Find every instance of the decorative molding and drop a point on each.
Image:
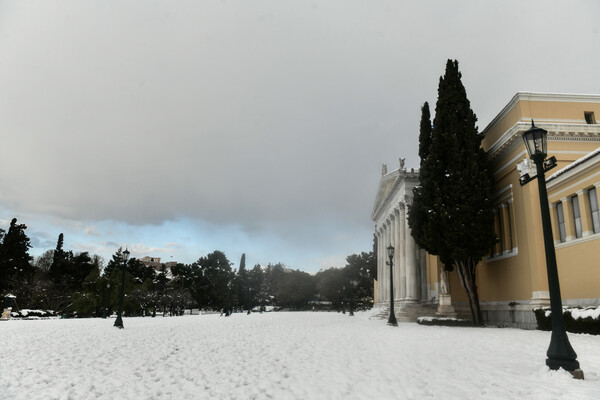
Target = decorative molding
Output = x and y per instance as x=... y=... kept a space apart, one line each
x=510 y=163
x=511 y=253
x=399 y=176
x=556 y=181
x=532 y=96
x=556 y=132
x=575 y=240
x=504 y=189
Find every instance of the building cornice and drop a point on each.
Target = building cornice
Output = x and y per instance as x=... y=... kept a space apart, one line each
x=579 y=166
x=399 y=176
x=533 y=96
x=556 y=132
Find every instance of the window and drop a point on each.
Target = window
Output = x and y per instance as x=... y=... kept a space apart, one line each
x=577 y=216
x=501 y=226
x=561 y=222
x=589 y=117
x=509 y=227
x=594 y=209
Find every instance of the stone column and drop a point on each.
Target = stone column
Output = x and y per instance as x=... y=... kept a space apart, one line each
x=381 y=264
x=402 y=253
x=393 y=243
x=388 y=227
x=411 y=266
x=423 y=265
x=379 y=269
x=384 y=276
x=569 y=221
x=397 y=252
x=586 y=213
x=554 y=223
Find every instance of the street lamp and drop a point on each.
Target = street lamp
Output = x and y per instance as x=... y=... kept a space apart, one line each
x=119 y=320
x=560 y=353
x=392 y=320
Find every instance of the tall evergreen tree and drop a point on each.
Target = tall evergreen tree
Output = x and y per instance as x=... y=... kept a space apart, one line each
x=452 y=215
x=15 y=262
x=59 y=253
x=425 y=132
x=256 y=287
x=243 y=261
x=420 y=206
x=240 y=286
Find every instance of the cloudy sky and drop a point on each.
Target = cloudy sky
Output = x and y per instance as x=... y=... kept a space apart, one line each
x=178 y=128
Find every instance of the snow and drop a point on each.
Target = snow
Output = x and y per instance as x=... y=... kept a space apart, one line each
x=573 y=164
x=577 y=313
x=586 y=312
x=281 y=355
x=440 y=319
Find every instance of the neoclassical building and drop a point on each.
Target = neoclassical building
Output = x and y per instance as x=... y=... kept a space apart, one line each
x=512 y=278
x=412 y=294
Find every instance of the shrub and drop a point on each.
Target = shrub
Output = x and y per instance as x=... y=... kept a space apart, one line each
x=433 y=321
x=576 y=319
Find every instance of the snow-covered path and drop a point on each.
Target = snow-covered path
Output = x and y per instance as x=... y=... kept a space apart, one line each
x=283 y=356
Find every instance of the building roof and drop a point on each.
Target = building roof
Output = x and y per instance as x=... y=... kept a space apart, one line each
x=538 y=96
x=387 y=188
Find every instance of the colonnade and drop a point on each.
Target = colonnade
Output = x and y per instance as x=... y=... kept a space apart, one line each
x=394 y=230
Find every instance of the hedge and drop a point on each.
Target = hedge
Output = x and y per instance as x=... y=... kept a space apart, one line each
x=576 y=319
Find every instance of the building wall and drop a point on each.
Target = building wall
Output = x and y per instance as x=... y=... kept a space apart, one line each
x=513 y=279
x=411 y=273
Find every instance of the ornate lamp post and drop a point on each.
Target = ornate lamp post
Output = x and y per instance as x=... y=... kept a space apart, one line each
x=119 y=320
x=560 y=353
x=392 y=319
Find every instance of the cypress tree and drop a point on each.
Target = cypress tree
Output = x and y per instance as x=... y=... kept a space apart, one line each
x=425 y=132
x=418 y=210
x=452 y=214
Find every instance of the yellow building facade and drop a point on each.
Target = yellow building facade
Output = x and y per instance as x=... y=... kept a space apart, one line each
x=512 y=278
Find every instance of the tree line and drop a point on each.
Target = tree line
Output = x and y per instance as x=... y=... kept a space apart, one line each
x=79 y=284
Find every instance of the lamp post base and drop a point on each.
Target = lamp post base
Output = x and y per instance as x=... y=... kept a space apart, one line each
x=577 y=374
x=119 y=323
x=567 y=365
x=392 y=320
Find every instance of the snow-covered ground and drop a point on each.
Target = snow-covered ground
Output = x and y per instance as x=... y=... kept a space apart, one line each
x=283 y=356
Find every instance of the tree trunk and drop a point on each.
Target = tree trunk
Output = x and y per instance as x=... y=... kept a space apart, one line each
x=467 y=273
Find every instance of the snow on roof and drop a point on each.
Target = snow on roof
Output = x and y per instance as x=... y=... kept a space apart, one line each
x=574 y=164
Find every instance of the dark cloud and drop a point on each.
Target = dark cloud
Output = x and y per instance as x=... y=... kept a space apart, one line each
x=272 y=116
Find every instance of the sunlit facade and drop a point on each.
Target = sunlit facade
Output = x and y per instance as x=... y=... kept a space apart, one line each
x=512 y=278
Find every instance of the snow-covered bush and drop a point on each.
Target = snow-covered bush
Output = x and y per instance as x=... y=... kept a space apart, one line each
x=576 y=319
x=32 y=314
x=438 y=321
